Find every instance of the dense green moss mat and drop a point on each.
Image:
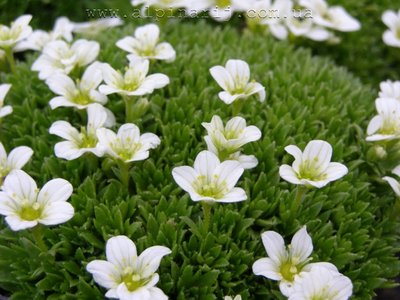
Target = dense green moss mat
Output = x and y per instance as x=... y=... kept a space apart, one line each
x=307 y=98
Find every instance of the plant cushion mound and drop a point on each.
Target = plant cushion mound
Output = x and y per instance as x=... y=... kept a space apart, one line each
x=307 y=98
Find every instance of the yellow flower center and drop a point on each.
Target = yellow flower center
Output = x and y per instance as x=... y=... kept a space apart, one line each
x=211 y=188
x=223 y=3
x=82 y=98
x=288 y=270
x=133 y=281
x=89 y=140
x=127 y=149
x=30 y=212
x=311 y=170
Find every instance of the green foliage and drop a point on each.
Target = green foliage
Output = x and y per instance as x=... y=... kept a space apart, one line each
x=307 y=98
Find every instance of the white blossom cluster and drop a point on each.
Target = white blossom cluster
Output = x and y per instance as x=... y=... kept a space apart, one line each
x=312 y=19
x=71 y=71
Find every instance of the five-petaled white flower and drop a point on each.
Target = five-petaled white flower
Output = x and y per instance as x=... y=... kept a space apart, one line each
x=59 y=56
x=322 y=283
x=234 y=79
x=226 y=141
x=16 y=160
x=300 y=24
x=126 y=275
x=394 y=184
x=4 y=110
x=78 y=143
x=25 y=206
x=390 y=89
x=145 y=44
x=210 y=180
x=335 y=17
x=134 y=82
x=39 y=38
x=79 y=94
x=127 y=145
x=386 y=125
x=18 y=31
x=391 y=19
x=95 y=27
x=313 y=167
x=285 y=264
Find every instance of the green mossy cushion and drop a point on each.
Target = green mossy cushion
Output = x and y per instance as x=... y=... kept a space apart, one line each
x=307 y=98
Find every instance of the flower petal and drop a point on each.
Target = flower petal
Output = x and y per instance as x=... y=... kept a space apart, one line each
x=268 y=268
x=301 y=246
x=16 y=223
x=121 y=252
x=20 y=186
x=222 y=77
x=55 y=190
x=205 y=164
x=287 y=173
x=104 y=273
x=185 y=177
x=275 y=246
x=229 y=173
x=335 y=171
x=235 y=195
x=149 y=260
x=56 y=213
x=18 y=157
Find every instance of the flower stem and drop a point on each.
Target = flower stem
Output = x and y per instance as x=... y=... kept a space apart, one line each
x=124 y=173
x=10 y=58
x=300 y=194
x=37 y=233
x=129 y=109
x=206 y=215
x=237 y=106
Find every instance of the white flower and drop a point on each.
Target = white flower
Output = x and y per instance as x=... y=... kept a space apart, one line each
x=4 y=110
x=284 y=264
x=313 y=167
x=59 y=56
x=78 y=143
x=16 y=160
x=134 y=82
x=394 y=184
x=391 y=37
x=39 y=38
x=79 y=94
x=335 y=17
x=19 y=30
x=226 y=141
x=127 y=145
x=238 y=297
x=386 y=125
x=276 y=16
x=390 y=89
x=234 y=79
x=94 y=27
x=301 y=24
x=25 y=206
x=322 y=283
x=210 y=180
x=126 y=275
x=145 y=44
